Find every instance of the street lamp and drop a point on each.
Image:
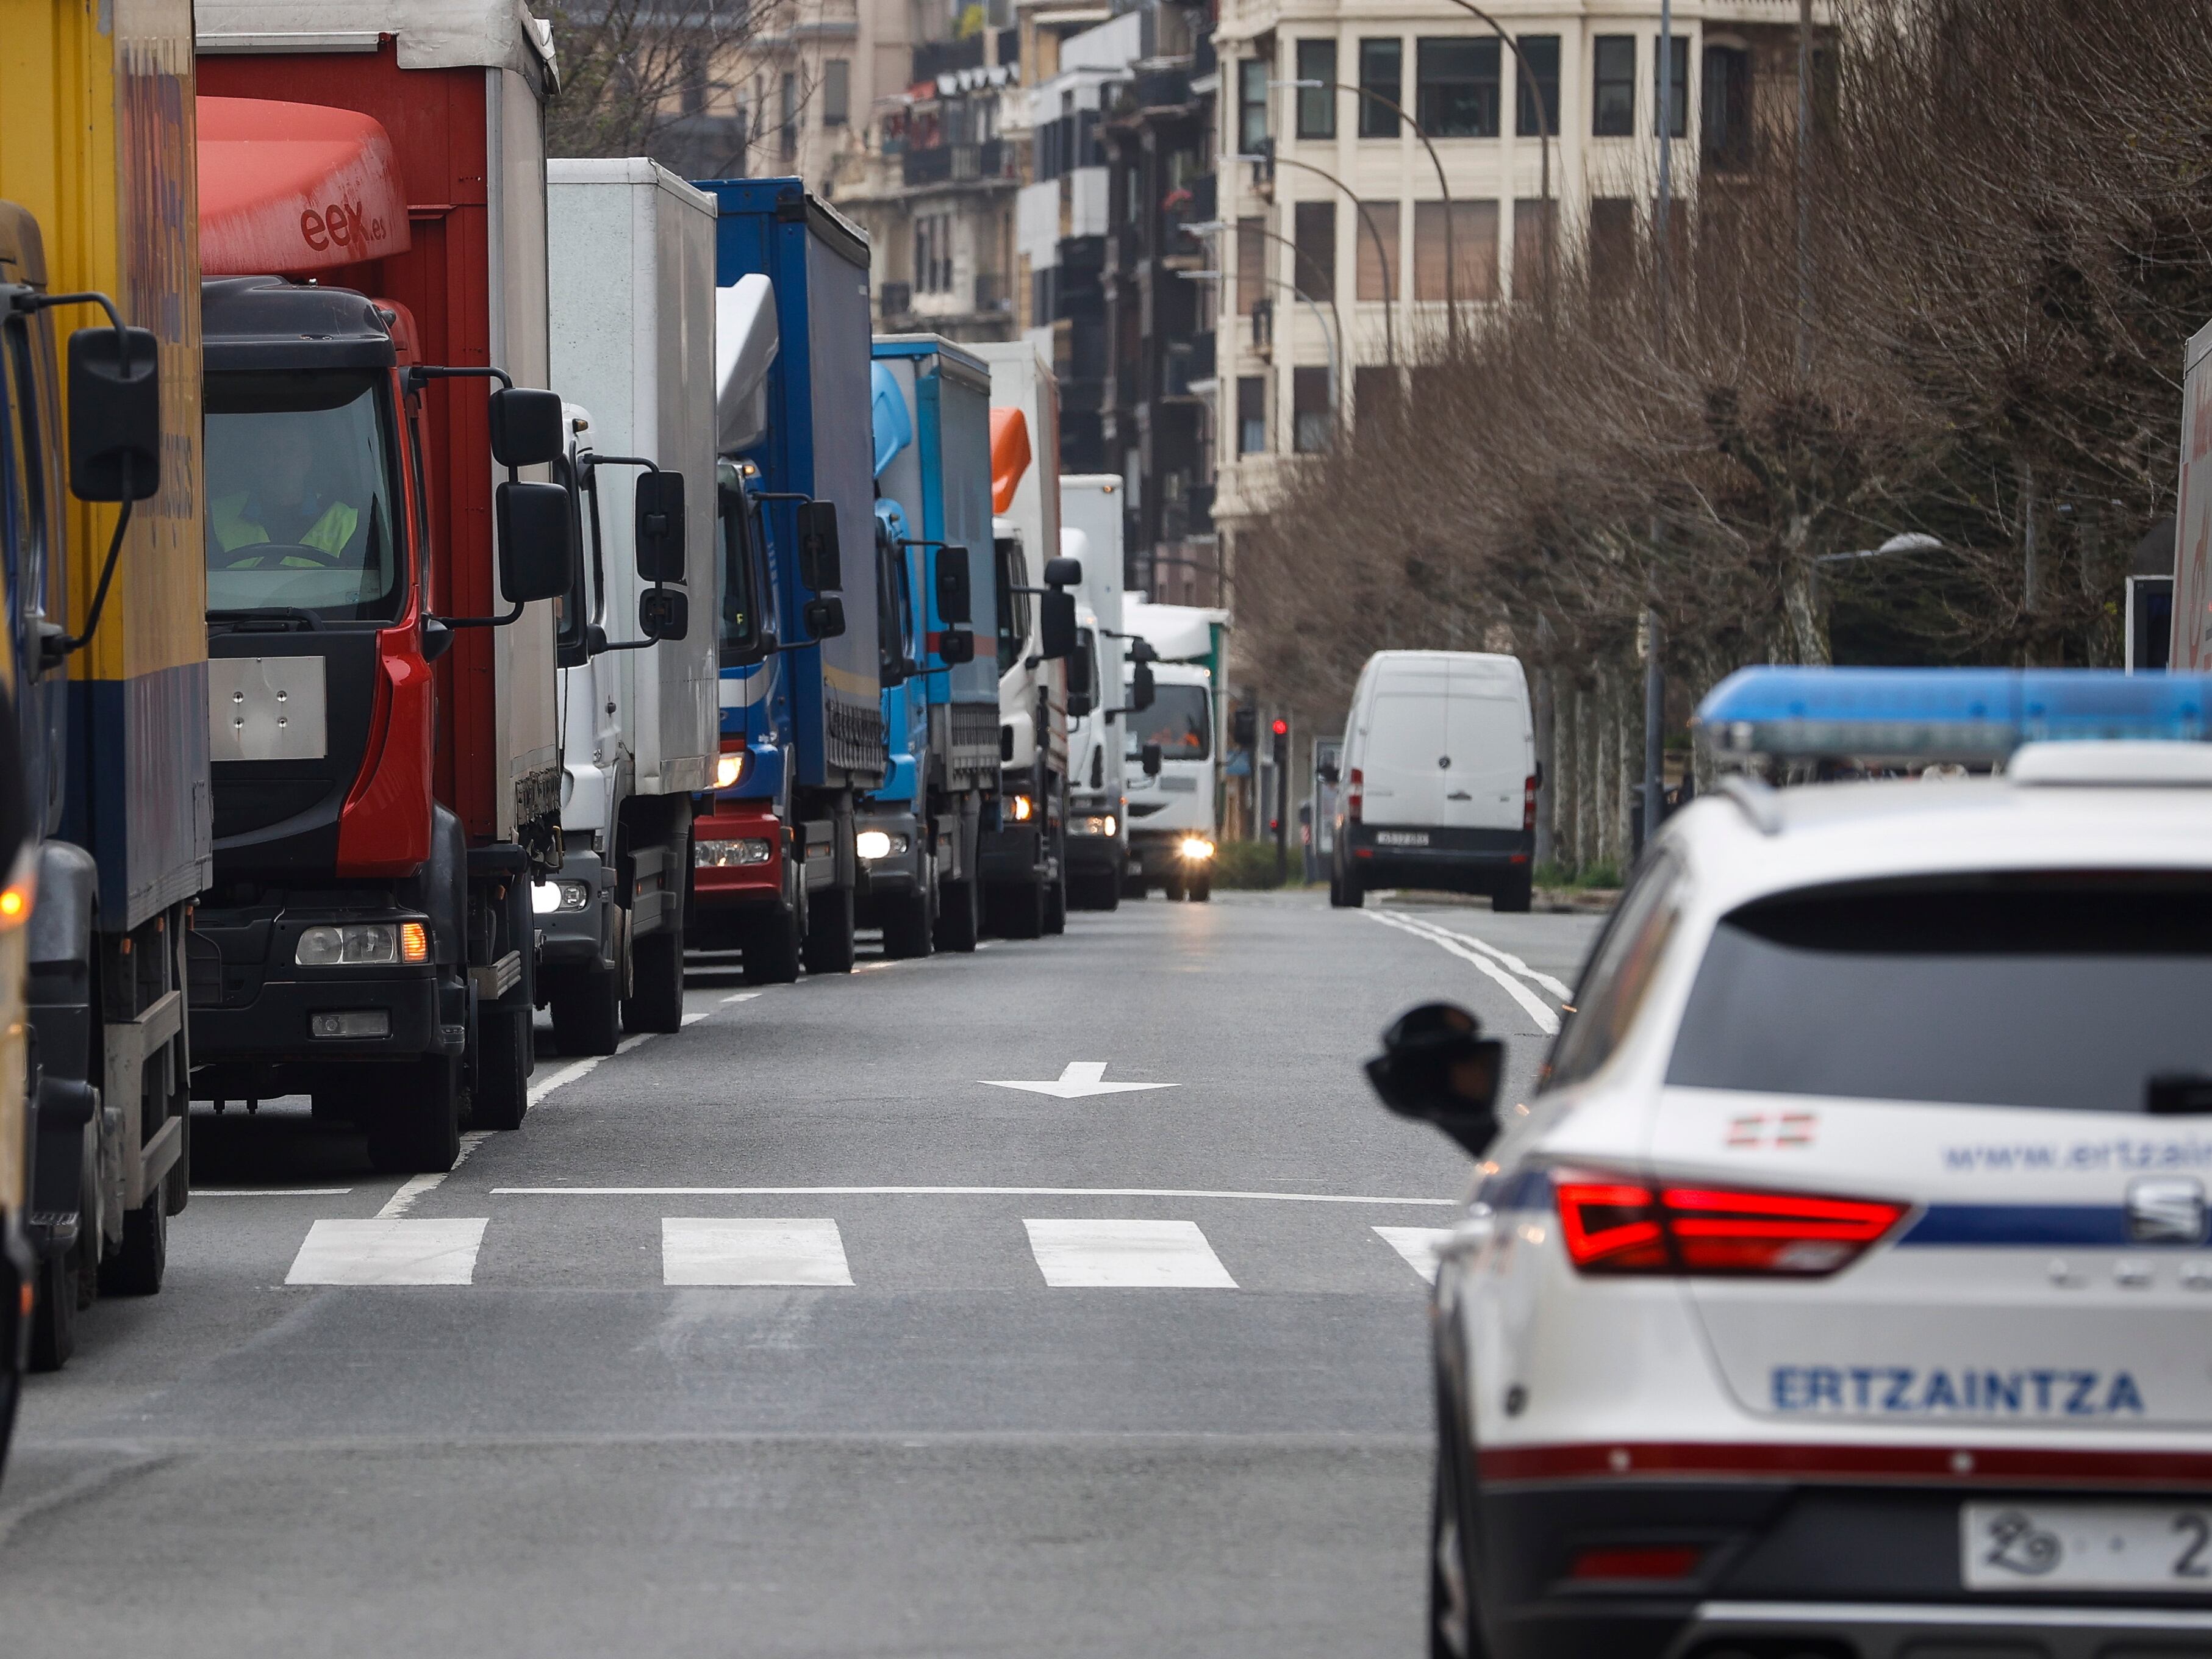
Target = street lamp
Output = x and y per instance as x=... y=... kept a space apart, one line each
x=1389 y=336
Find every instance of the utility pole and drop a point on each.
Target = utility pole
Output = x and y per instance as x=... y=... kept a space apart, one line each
x=1655 y=674
x=1282 y=734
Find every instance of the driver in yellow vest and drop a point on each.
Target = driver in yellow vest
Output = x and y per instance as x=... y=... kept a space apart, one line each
x=285 y=511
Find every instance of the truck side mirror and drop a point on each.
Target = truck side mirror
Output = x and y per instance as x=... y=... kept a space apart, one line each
x=1142 y=689
x=527 y=428
x=536 y=552
x=1437 y=1067
x=825 y=618
x=1142 y=651
x=1056 y=624
x=820 y=567
x=1063 y=572
x=1152 y=760
x=1082 y=675
x=956 y=646
x=663 y=613
x=1327 y=772
x=660 y=529
x=114 y=414
x=953 y=603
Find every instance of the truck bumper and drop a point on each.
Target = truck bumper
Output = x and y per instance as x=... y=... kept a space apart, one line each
x=1158 y=855
x=739 y=868
x=1015 y=854
x=572 y=935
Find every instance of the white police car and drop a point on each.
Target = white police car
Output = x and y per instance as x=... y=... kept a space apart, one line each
x=1845 y=1291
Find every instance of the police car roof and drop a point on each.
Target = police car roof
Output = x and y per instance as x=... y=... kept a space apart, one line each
x=267 y=323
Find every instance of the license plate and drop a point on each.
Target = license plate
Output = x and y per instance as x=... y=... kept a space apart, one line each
x=1402 y=838
x=2120 y=1547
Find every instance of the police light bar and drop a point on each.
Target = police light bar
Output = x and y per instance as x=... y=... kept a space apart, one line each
x=1920 y=716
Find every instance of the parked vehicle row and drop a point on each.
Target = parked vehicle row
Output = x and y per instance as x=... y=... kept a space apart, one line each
x=423 y=625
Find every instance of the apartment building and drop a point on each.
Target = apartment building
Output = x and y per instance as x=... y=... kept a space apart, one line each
x=784 y=96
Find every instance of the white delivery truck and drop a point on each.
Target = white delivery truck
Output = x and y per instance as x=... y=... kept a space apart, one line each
x=1174 y=746
x=1091 y=509
x=1438 y=779
x=633 y=344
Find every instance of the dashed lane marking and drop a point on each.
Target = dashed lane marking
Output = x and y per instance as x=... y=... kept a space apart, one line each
x=1536 y=1008
x=1418 y=1245
x=959 y=1192
x=752 y=1250
x=390 y=1251
x=1126 y=1255
x=271 y=1192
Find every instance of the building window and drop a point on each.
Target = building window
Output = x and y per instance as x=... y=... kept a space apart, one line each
x=1679 y=53
x=1532 y=239
x=1311 y=419
x=1251 y=415
x=932 y=253
x=1251 y=266
x=1318 y=105
x=1539 y=60
x=1725 y=129
x=1379 y=265
x=1613 y=241
x=1473 y=239
x=1252 y=106
x=1612 y=102
x=836 y=92
x=1382 y=71
x=1457 y=95
x=787 y=137
x=1314 y=227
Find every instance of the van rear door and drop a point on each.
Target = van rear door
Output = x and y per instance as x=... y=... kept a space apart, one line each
x=1489 y=747
x=1407 y=751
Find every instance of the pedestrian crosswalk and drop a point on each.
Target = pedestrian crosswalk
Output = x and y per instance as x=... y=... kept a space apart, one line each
x=1072 y=1253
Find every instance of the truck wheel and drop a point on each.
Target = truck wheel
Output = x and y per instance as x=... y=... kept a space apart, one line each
x=771 y=949
x=1171 y=889
x=138 y=1267
x=417 y=1129
x=1514 y=898
x=906 y=927
x=828 y=947
x=656 y=1002
x=1107 y=894
x=588 y=1010
x=501 y=1091
x=54 y=1305
x=958 y=920
x=1055 y=907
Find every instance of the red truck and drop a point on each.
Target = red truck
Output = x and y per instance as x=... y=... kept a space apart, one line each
x=381 y=580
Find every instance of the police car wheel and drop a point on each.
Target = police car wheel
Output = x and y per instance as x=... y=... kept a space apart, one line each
x=1453 y=1633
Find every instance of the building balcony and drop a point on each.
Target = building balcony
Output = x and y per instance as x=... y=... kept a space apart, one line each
x=935 y=57
x=957 y=164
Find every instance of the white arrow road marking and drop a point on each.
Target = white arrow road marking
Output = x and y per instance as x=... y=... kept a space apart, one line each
x=1079 y=1078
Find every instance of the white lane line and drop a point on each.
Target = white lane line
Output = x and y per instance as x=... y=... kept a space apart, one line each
x=1556 y=987
x=585 y=1067
x=952 y=1192
x=1142 y=1254
x=271 y=1192
x=415 y=1186
x=1547 y=1021
x=742 y=996
x=1418 y=1245
x=693 y=1019
x=389 y=1252
x=751 y=1250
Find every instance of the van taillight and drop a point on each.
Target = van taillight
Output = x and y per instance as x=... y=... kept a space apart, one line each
x=1613 y=1226
x=1529 y=804
x=1352 y=798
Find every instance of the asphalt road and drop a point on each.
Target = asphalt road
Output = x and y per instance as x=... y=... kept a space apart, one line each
x=791 y=1333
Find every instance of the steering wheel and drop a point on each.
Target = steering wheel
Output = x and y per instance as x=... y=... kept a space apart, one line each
x=270 y=556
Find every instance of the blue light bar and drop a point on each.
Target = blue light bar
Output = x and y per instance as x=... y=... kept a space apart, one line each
x=1917 y=716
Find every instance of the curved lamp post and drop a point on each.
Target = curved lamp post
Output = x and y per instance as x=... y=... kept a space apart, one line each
x=1335 y=403
x=1389 y=336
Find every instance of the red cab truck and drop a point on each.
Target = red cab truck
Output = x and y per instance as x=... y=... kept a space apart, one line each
x=387 y=769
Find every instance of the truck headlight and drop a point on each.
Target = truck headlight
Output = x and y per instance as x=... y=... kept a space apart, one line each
x=349 y=945
x=556 y=897
x=873 y=844
x=1197 y=847
x=1103 y=824
x=724 y=854
x=1024 y=808
x=731 y=767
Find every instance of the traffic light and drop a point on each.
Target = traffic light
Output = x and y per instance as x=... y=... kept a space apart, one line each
x=1282 y=728
x=1243 y=728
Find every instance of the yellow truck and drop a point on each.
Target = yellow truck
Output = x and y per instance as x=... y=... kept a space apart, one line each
x=106 y=593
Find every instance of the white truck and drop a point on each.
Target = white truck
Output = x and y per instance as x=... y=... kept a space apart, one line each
x=1174 y=795
x=632 y=344
x=1091 y=518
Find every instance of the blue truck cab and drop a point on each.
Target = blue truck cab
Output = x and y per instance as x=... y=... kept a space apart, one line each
x=775 y=871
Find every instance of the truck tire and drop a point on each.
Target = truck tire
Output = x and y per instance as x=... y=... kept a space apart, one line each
x=959 y=919
x=501 y=1092
x=906 y=927
x=588 y=1010
x=417 y=1129
x=828 y=947
x=656 y=1002
x=771 y=947
x=137 y=1269
x=1018 y=912
x=1107 y=894
x=59 y=1288
x=1514 y=898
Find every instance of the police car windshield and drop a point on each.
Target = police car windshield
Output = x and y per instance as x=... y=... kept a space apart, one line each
x=2066 y=991
x=1177 y=721
x=301 y=496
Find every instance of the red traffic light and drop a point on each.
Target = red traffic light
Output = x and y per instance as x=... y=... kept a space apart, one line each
x=1282 y=728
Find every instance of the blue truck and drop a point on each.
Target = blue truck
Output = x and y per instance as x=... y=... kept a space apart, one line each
x=774 y=870
x=919 y=831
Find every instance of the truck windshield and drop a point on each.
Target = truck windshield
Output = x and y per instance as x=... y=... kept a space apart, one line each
x=1178 y=720
x=738 y=533
x=300 y=494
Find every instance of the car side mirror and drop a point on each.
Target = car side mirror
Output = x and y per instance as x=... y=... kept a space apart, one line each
x=114 y=414
x=660 y=528
x=663 y=613
x=820 y=565
x=956 y=646
x=527 y=426
x=1437 y=1067
x=1142 y=688
x=537 y=551
x=953 y=603
x=1056 y=624
x=825 y=618
x=1063 y=572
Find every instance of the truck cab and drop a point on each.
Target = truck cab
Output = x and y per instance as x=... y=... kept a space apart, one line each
x=1090 y=506
x=1172 y=822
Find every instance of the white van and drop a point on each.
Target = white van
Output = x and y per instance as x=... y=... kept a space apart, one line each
x=1438 y=779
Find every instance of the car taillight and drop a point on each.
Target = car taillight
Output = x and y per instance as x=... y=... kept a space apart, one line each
x=1612 y=1225
x=1352 y=798
x=1529 y=804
